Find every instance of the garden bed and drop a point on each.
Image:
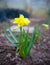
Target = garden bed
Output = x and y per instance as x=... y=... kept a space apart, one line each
x=40 y=54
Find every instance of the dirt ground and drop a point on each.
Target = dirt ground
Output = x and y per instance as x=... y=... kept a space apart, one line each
x=40 y=54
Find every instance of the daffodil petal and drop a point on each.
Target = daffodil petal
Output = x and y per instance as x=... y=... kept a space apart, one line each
x=26 y=21
x=21 y=17
x=16 y=19
x=19 y=25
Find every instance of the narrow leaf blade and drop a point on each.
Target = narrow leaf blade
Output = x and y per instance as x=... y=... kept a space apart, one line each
x=13 y=42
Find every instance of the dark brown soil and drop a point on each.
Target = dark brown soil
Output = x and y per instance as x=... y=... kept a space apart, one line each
x=40 y=54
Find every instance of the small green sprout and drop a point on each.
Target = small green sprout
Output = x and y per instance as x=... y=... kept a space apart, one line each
x=46 y=26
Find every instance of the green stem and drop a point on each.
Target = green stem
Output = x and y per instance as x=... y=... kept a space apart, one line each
x=20 y=34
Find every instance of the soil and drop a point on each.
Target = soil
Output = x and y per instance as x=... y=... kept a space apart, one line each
x=40 y=53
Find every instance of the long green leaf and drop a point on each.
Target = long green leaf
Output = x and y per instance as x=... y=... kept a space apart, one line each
x=38 y=35
x=14 y=37
x=31 y=41
x=13 y=42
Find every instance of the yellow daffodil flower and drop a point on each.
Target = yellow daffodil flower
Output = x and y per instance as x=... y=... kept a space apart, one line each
x=21 y=21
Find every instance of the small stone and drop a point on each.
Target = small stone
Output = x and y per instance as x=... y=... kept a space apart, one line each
x=34 y=47
x=13 y=59
x=44 y=40
x=9 y=55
